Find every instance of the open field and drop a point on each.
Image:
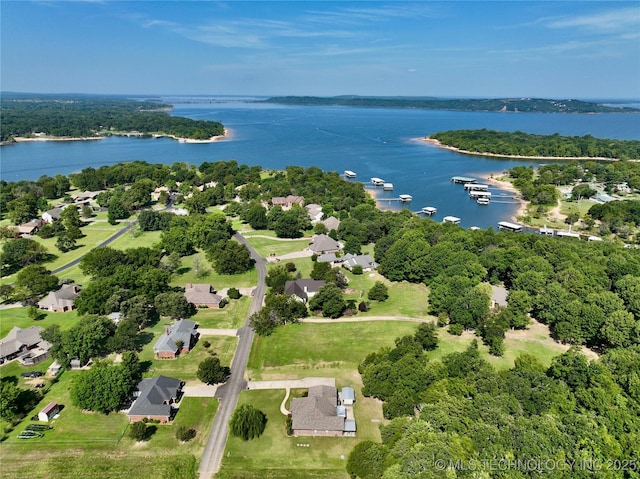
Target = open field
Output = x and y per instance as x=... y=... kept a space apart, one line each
x=19 y=317
x=187 y=275
x=277 y=247
x=137 y=239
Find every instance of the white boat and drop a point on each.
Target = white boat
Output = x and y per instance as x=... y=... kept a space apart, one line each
x=483 y=201
x=349 y=174
x=377 y=181
x=387 y=187
x=429 y=210
x=451 y=219
x=405 y=198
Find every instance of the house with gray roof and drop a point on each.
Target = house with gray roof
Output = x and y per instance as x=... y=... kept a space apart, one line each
x=303 y=289
x=365 y=261
x=331 y=223
x=319 y=414
x=315 y=212
x=330 y=258
x=155 y=398
x=25 y=343
x=61 y=300
x=51 y=215
x=324 y=244
x=499 y=296
x=178 y=338
x=202 y=296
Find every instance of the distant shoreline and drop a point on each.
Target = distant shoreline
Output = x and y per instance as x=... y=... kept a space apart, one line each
x=24 y=139
x=434 y=142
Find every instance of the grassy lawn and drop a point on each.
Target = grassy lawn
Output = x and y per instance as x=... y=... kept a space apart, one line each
x=136 y=240
x=309 y=349
x=266 y=247
x=186 y=275
x=232 y=316
x=19 y=317
x=91 y=445
x=274 y=455
x=185 y=366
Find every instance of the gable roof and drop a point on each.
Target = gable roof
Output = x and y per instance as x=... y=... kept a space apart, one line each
x=320 y=243
x=328 y=258
x=301 y=287
x=19 y=337
x=182 y=330
x=331 y=223
x=62 y=298
x=201 y=294
x=363 y=260
x=155 y=397
x=318 y=411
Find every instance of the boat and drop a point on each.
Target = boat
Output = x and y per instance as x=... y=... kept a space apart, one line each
x=479 y=194
x=483 y=200
x=508 y=226
x=429 y=210
x=349 y=174
x=451 y=219
x=405 y=198
x=387 y=187
x=377 y=181
x=463 y=179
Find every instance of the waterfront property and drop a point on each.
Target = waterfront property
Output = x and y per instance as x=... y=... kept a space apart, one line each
x=349 y=174
x=451 y=219
x=405 y=198
x=429 y=210
x=462 y=179
x=387 y=187
x=287 y=202
x=479 y=194
x=475 y=186
x=567 y=234
x=377 y=181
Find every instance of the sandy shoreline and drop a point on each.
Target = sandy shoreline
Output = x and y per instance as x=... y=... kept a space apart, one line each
x=505 y=185
x=434 y=142
x=213 y=139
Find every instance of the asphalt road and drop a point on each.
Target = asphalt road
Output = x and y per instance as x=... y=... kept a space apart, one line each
x=228 y=393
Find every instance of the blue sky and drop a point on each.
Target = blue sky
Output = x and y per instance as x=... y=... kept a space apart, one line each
x=470 y=49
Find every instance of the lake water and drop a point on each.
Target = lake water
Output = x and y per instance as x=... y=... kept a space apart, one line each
x=372 y=142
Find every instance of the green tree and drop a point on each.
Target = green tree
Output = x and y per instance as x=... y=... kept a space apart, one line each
x=33 y=281
x=427 y=336
x=102 y=389
x=366 y=460
x=230 y=257
x=138 y=431
x=330 y=300
x=210 y=371
x=9 y=394
x=378 y=292
x=256 y=216
x=19 y=253
x=174 y=305
x=248 y=422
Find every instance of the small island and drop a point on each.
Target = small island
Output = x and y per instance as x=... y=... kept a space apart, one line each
x=528 y=146
x=28 y=118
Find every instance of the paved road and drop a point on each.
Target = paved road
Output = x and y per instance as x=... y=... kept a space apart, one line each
x=228 y=393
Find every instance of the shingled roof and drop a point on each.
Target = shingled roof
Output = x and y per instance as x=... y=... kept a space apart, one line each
x=156 y=396
x=318 y=411
x=19 y=339
x=182 y=330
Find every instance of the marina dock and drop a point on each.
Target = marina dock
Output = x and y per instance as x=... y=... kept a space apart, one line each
x=463 y=179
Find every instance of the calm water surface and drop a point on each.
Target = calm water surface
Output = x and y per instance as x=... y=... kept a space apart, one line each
x=371 y=142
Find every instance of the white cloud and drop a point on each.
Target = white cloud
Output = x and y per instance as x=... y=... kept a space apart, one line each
x=610 y=21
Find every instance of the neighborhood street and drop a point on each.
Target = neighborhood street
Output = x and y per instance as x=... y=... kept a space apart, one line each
x=229 y=392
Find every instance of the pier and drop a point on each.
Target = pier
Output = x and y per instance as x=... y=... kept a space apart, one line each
x=387 y=187
x=463 y=179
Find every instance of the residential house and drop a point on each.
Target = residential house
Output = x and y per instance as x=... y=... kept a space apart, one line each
x=287 y=202
x=324 y=244
x=86 y=196
x=51 y=215
x=365 y=261
x=319 y=414
x=330 y=258
x=499 y=296
x=315 y=212
x=155 y=398
x=28 y=228
x=331 y=223
x=202 y=296
x=61 y=300
x=25 y=343
x=303 y=289
x=49 y=411
x=179 y=337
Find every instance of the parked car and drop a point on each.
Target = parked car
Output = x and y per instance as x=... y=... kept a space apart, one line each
x=31 y=374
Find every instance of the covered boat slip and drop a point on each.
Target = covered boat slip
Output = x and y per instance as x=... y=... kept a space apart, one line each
x=463 y=179
x=479 y=194
x=508 y=226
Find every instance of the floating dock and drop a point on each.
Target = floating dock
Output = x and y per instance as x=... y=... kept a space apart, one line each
x=463 y=179
x=429 y=210
x=405 y=198
x=349 y=174
x=508 y=226
x=387 y=187
x=377 y=181
x=479 y=194
x=567 y=234
x=451 y=219
x=483 y=200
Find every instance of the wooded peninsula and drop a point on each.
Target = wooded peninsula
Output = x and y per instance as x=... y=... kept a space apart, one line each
x=519 y=144
x=93 y=117
x=524 y=105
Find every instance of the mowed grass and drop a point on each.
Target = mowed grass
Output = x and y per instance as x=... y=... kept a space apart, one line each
x=232 y=316
x=91 y=445
x=186 y=275
x=20 y=317
x=136 y=239
x=277 y=247
x=276 y=456
x=300 y=350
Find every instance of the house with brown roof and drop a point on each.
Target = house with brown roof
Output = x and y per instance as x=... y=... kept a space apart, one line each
x=499 y=296
x=25 y=344
x=178 y=338
x=155 y=399
x=287 y=202
x=331 y=223
x=61 y=300
x=324 y=244
x=202 y=296
x=28 y=228
x=320 y=414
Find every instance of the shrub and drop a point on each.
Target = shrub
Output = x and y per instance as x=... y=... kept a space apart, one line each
x=184 y=433
x=206 y=344
x=234 y=293
x=456 y=329
x=379 y=292
x=138 y=431
x=357 y=269
x=363 y=307
x=291 y=267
